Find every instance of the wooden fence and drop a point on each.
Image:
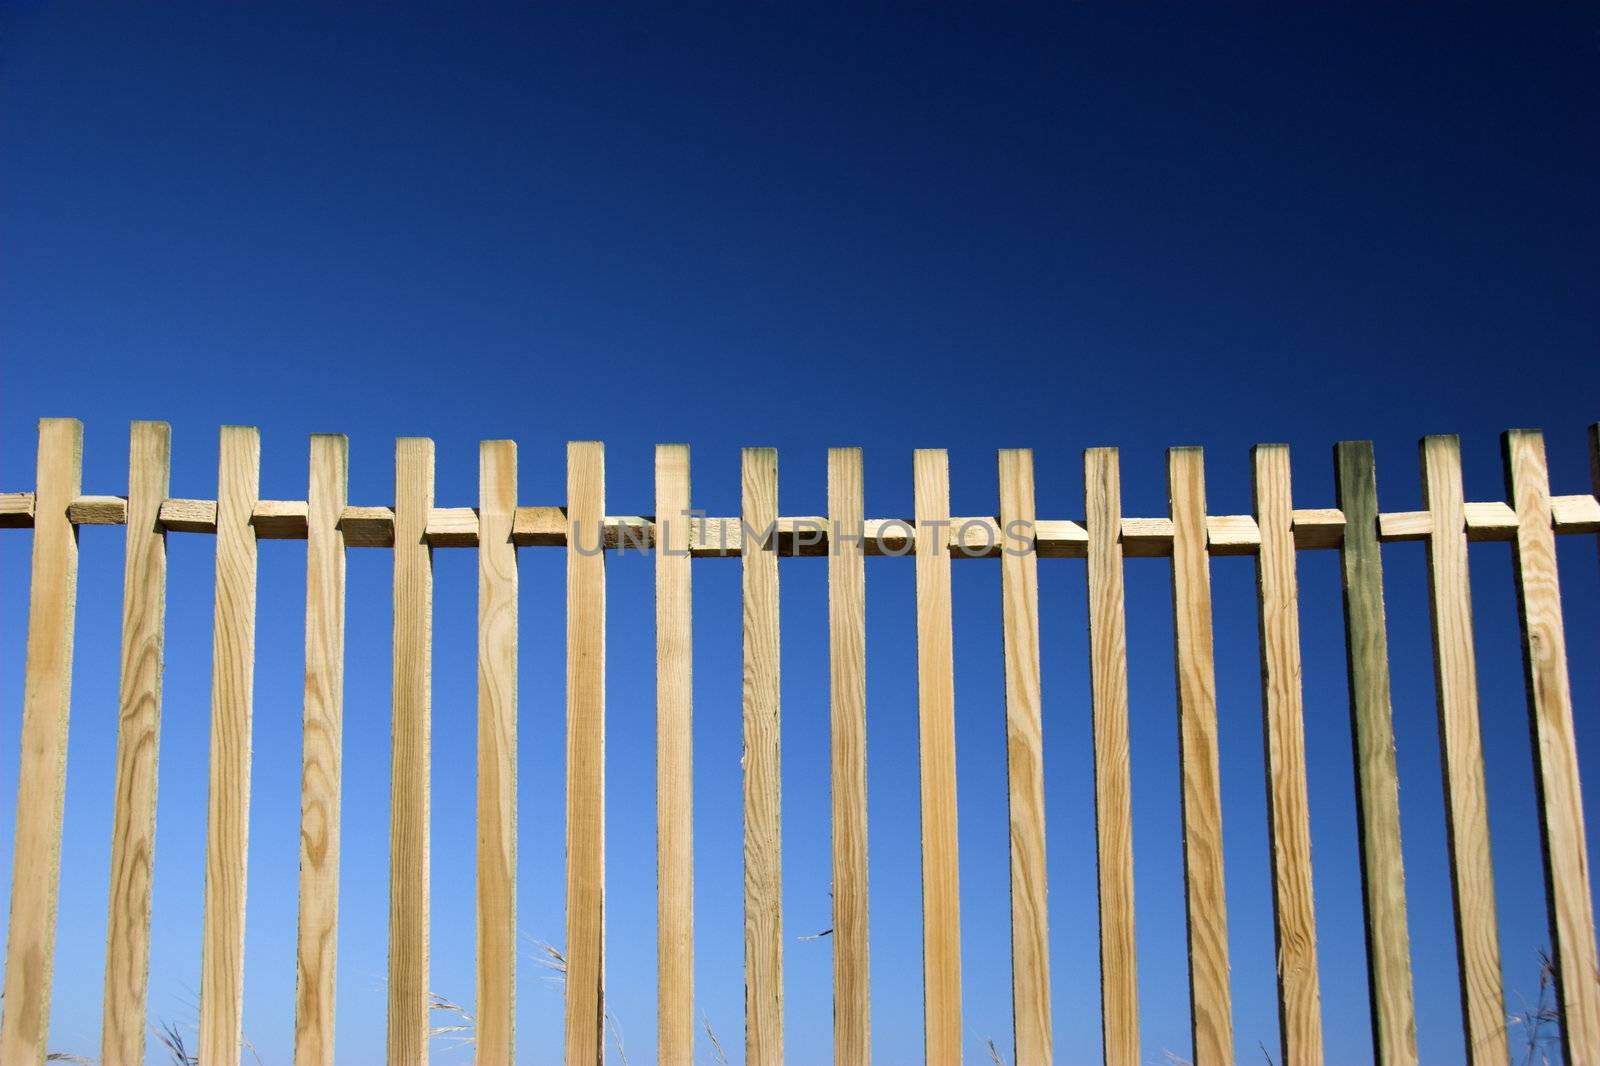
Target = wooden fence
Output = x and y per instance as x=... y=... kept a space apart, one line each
x=1530 y=518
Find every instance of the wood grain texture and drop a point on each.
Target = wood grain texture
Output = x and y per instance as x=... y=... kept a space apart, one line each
x=586 y=754
x=1394 y=1019
x=42 y=777
x=1210 y=1000
x=1030 y=918
x=1544 y=654
x=1113 y=803
x=1288 y=809
x=495 y=1035
x=941 y=881
x=316 y=951
x=847 y=743
x=410 y=754
x=763 y=853
x=133 y=817
x=675 y=1026
x=233 y=657
x=1455 y=670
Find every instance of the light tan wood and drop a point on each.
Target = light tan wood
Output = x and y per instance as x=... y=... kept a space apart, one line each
x=367 y=527
x=1211 y=1011
x=763 y=852
x=847 y=744
x=189 y=516
x=98 y=511
x=1030 y=924
x=1108 y=680
x=586 y=754
x=1455 y=669
x=133 y=817
x=317 y=932
x=1394 y=1019
x=233 y=658
x=941 y=881
x=280 y=519
x=16 y=510
x=1233 y=534
x=41 y=786
x=675 y=1027
x=1288 y=809
x=495 y=1035
x=1544 y=652
x=410 y=754
x=458 y=527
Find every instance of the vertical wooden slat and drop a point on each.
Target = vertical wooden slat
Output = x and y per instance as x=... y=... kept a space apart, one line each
x=228 y=811
x=847 y=689
x=410 y=754
x=1210 y=1001
x=763 y=855
x=1394 y=1020
x=941 y=882
x=133 y=818
x=586 y=752
x=495 y=1036
x=1288 y=809
x=1030 y=926
x=41 y=786
x=1455 y=670
x=316 y=953
x=1544 y=652
x=1108 y=678
x=674 y=761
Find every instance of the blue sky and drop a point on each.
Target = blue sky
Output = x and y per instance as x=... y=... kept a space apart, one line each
x=895 y=227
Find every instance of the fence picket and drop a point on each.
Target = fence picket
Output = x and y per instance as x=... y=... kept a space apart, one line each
x=847 y=736
x=133 y=826
x=228 y=805
x=586 y=753
x=316 y=954
x=1544 y=653
x=410 y=758
x=494 y=1036
x=941 y=881
x=1108 y=679
x=763 y=857
x=674 y=760
x=1210 y=1000
x=1394 y=1021
x=42 y=778
x=1455 y=668
x=1288 y=809
x=1030 y=924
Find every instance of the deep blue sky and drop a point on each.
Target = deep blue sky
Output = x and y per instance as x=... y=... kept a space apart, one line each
x=896 y=227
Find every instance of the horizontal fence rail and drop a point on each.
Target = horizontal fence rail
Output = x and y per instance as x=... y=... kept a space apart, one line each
x=1530 y=518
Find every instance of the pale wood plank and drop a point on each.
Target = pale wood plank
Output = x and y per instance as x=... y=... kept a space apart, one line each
x=1544 y=653
x=98 y=511
x=133 y=817
x=763 y=853
x=410 y=755
x=316 y=951
x=941 y=881
x=16 y=510
x=41 y=785
x=674 y=761
x=1108 y=679
x=847 y=740
x=1394 y=1020
x=1455 y=671
x=495 y=1035
x=586 y=754
x=233 y=658
x=1288 y=809
x=1030 y=925
x=1211 y=1011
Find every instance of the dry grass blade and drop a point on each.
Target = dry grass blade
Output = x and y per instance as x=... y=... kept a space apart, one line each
x=67 y=1056
x=462 y=1033
x=994 y=1053
x=717 y=1053
x=171 y=1038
